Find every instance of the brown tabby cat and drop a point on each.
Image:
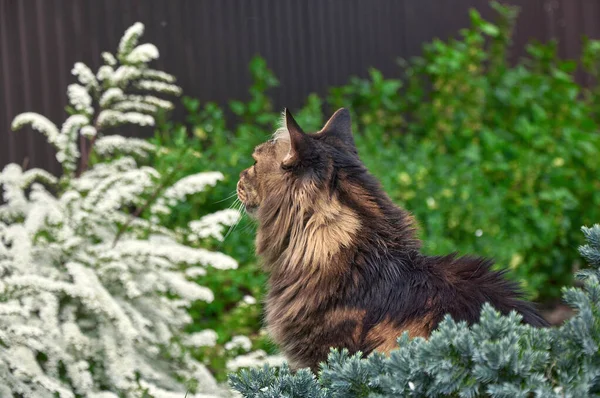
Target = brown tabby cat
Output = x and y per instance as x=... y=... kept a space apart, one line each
x=344 y=262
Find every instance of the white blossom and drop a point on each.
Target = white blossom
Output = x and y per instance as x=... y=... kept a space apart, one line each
x=173 y=252
x=111 y=95
x=80 y=98
x=109 y=59
x=124 y=74
x=67 y=151
x=185 y=289
x=141 y=107
x=38 y=122
x=73 y=123
x=105 y=72
x=120 y=189
x=153 y=74
x=84 y=75
x=241 y=342
x=14 y=182
x=194 y=272
x=205 y=338
x=157 y=86
x=149 y=99
x=88 y=131
x=186 y=186
x=130 y=38
x=116 y=144
x=142 y=53
x=212 y=225
x=253 y=360
x=111 y=118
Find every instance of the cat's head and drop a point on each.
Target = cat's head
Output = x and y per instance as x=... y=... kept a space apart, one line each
x=294 y=168
x=311 y=193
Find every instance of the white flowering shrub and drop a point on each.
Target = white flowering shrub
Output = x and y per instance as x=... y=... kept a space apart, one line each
x=123 y=91
x=93 y=296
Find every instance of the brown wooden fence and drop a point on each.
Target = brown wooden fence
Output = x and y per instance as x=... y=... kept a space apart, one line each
x=207 y=44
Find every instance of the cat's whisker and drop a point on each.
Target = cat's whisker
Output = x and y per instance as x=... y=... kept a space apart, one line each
x=246 y=228
x=237 y=203
x=232 y=227
x=233 y=204
x=231 y=195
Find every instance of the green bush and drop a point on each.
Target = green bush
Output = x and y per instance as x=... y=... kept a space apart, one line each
x=493 y=159
x=498 y=357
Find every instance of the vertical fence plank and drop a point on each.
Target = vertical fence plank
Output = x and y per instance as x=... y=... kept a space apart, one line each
x=6 y=97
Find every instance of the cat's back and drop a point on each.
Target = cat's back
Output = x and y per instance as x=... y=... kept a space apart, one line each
x=420 y=290
x=463 y=284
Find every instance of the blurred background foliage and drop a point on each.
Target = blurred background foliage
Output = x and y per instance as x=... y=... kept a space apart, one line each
x=494 y=157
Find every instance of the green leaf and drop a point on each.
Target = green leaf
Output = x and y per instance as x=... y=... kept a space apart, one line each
x=237 y=107
x=490 y=29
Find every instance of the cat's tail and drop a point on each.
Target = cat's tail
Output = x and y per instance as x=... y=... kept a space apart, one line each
x=531 y=315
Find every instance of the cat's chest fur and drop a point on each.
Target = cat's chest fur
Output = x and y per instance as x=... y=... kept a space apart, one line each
x=304 y=328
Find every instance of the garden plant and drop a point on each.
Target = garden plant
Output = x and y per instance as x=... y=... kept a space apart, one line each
x=95 y=287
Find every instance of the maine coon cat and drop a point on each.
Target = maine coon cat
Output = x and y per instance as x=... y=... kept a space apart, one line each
x=344 y=264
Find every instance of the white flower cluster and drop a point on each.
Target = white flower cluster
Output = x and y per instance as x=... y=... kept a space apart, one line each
x=254 y=359
x=77 y=291
x=109 y=59
x=158 y=75
x=110 y=96
x=239 y=342
x=212 y=225
x=160 y=87
x=114 y=144
x=85 y=75
x=111 y=118
x=205 y=338
x=100 y=101
x=142 y=54
x=130 y=39
x=186 y=186
x=39 y=123
x=122 y=75
x=80 y=98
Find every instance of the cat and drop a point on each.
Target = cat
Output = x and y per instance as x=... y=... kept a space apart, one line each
x=344 y=263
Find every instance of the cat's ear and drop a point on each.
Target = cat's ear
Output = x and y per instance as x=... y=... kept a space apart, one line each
x=339 y=125
x=300 y=143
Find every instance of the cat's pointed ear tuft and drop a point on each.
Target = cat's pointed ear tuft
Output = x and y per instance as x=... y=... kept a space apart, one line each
x=339 y=125
x=300 y=145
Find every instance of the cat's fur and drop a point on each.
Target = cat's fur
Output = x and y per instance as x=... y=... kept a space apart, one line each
x=344 y=261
